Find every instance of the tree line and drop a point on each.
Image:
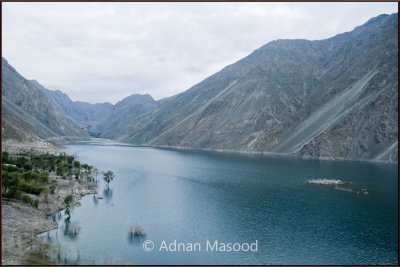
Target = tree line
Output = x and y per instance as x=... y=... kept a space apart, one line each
x=26 y=175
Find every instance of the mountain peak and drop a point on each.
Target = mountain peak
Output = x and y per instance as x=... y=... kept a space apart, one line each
x=379 y=19
x=136 y=99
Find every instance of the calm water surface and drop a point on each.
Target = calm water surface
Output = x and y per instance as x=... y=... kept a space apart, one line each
x=199 y=196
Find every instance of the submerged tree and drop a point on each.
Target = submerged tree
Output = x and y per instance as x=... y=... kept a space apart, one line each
x=95 y=172
x=67 y=202
x=71 y=229
x=108 y=176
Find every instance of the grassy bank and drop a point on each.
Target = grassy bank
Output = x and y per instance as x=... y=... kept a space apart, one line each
x=26 y=176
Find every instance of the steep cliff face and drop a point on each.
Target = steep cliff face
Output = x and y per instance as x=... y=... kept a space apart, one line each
x=27 y=113
x=361 y=120
x=328 y=98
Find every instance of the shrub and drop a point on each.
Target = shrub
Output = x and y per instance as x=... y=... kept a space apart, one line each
x=10 y=168
x=27 y=199
x=31 y=187
x=77 y=164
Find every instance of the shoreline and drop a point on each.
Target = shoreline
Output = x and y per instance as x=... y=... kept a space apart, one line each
x=103 y=141
x=22 y=223
x=271 y=154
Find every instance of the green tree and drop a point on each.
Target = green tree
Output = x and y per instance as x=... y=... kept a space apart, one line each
x=5 y=156
x=77 y=164
x=108 y=176
x=13 y=191
x=70 y=160
x=5 y=181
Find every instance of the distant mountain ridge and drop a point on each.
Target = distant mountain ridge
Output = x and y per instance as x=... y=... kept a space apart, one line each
x=332 y=98
x=102 y=119
x=122 y=113
x=83 y=113
x=31 y=111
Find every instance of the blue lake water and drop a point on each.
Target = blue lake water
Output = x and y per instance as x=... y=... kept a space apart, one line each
x=192 y=197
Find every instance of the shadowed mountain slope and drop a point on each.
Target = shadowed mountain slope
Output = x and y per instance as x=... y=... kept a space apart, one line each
x=27 y=113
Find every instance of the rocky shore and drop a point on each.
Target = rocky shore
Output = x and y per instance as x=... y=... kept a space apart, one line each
x=22 y=223
x=29 y=146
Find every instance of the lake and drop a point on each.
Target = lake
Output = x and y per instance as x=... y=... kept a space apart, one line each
x=198 y=197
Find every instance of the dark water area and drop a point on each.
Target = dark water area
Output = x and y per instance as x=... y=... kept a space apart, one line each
x=194 y=197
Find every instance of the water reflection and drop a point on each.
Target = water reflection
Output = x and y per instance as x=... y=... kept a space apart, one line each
x=70 y=229
x=196 y=197
x=108 y=193
x=95 y=200
x=136 y=234
x=55 y=217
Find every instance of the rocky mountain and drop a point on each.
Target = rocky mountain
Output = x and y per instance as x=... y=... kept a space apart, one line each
x=332 y=98
x=124 y=112
x=28 y=114
x=102 y=119
x=82 y=113
x=49 y=113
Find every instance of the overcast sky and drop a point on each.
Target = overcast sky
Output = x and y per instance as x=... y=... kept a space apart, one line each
x=99 y=52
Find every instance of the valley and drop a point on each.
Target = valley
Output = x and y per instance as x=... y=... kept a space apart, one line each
x=287 y=156
x=319 y=99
